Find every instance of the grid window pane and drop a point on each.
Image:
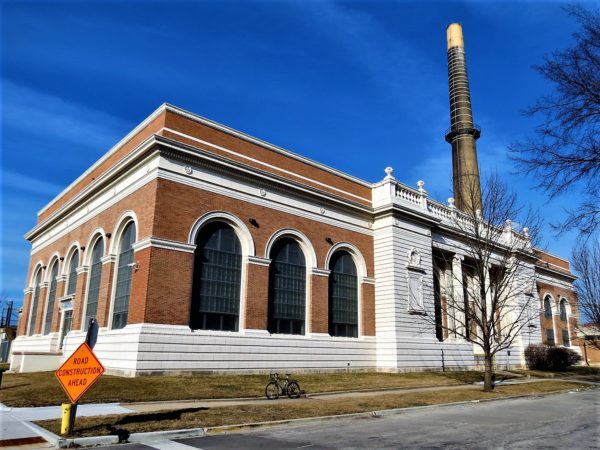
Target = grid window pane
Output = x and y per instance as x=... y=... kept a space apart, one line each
x=35 y=301
x=72 y=283
x=124 y=275
x=563 y=311
x=287 y=288
x=67 y=322
x=217 y=279
x=51 y=299
x=94 y=286
x=547 y=308
x=343 y=296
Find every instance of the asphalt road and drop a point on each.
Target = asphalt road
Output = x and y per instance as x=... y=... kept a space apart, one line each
x=565 y=421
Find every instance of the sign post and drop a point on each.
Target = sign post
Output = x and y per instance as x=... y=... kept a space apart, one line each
x=78 y=374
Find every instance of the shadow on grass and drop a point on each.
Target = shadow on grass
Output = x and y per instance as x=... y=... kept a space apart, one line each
x=158 y=416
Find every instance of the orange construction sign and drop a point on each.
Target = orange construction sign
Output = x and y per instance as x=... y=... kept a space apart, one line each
x=79 y=372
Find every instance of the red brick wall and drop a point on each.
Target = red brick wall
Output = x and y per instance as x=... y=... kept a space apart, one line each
x=368 y=300
x=257 y=297
x=558 y=293
x=161 y=287
x=169 y=286
x=190 y=204
x=319 y=308
x=142 y=203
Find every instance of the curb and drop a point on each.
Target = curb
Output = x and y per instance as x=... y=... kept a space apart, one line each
x=154 y=436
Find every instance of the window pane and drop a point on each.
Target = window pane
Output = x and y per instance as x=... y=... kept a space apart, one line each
x=94 y=285
x=287 y=288
x=547 y=308
x=51 y=299
x=72 y=283
x=343 y=296
x=35 y=301
x=67 y=322
x=563 y=311
x=124 y=275
x=217 y=279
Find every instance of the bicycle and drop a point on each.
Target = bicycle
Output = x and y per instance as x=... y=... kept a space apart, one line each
x=276 y=387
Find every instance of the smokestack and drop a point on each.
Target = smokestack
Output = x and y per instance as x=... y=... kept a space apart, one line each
x=462 y=133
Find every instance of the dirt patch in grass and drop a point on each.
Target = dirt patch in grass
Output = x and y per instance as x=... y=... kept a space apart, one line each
x=303 y=408
x=43 y=389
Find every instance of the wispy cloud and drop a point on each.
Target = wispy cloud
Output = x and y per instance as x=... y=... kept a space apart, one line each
x=46 y=115
x=23 y=183
x=392 y=62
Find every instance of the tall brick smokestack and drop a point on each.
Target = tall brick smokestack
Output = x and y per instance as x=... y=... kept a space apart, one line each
x=462 y=133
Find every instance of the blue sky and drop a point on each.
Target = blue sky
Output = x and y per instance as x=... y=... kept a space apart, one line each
x=358 y=86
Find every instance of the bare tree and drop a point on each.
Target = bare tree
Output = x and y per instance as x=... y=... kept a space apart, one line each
x=564 y=154
x=586 y=261
x=491 y=298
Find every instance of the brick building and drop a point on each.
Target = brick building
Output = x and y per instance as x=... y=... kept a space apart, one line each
x=200 y=248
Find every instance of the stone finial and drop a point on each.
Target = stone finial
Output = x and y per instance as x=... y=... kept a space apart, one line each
x=451 y=202
x=508 y=224
x=478 y=213
x=420 y=184
x=526 y=231
x=389 y=173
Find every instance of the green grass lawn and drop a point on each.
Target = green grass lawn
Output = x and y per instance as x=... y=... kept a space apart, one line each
x=42 y=388
x=302 y=408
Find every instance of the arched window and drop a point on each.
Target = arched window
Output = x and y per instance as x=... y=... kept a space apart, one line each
x=287 y=288
x=34 y=302
x=72 y=280
x=343 y=296
x=217 y=279
x=563 y=310
x=94 y=285
x=124 y=274
x=547 y=307
x=51 y=298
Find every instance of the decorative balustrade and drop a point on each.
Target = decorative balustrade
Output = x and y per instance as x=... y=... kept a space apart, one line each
x=458 y=219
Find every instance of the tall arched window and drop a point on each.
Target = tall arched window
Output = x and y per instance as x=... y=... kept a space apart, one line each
x=51 y=298
x=72 y=280
x=124 y=274
x=34 y=302
x=217 y=279
x=547 y=307
x=343 y=296
x=287 y=288
x=563 y=310
x=94 y=285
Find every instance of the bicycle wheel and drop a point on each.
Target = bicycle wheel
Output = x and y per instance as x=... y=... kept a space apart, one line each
x=272 y=391
x=293 y=390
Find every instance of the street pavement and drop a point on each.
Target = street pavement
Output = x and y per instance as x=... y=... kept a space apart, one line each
x=562 y=421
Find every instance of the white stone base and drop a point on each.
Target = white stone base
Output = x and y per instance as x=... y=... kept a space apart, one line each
x=146 y=349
